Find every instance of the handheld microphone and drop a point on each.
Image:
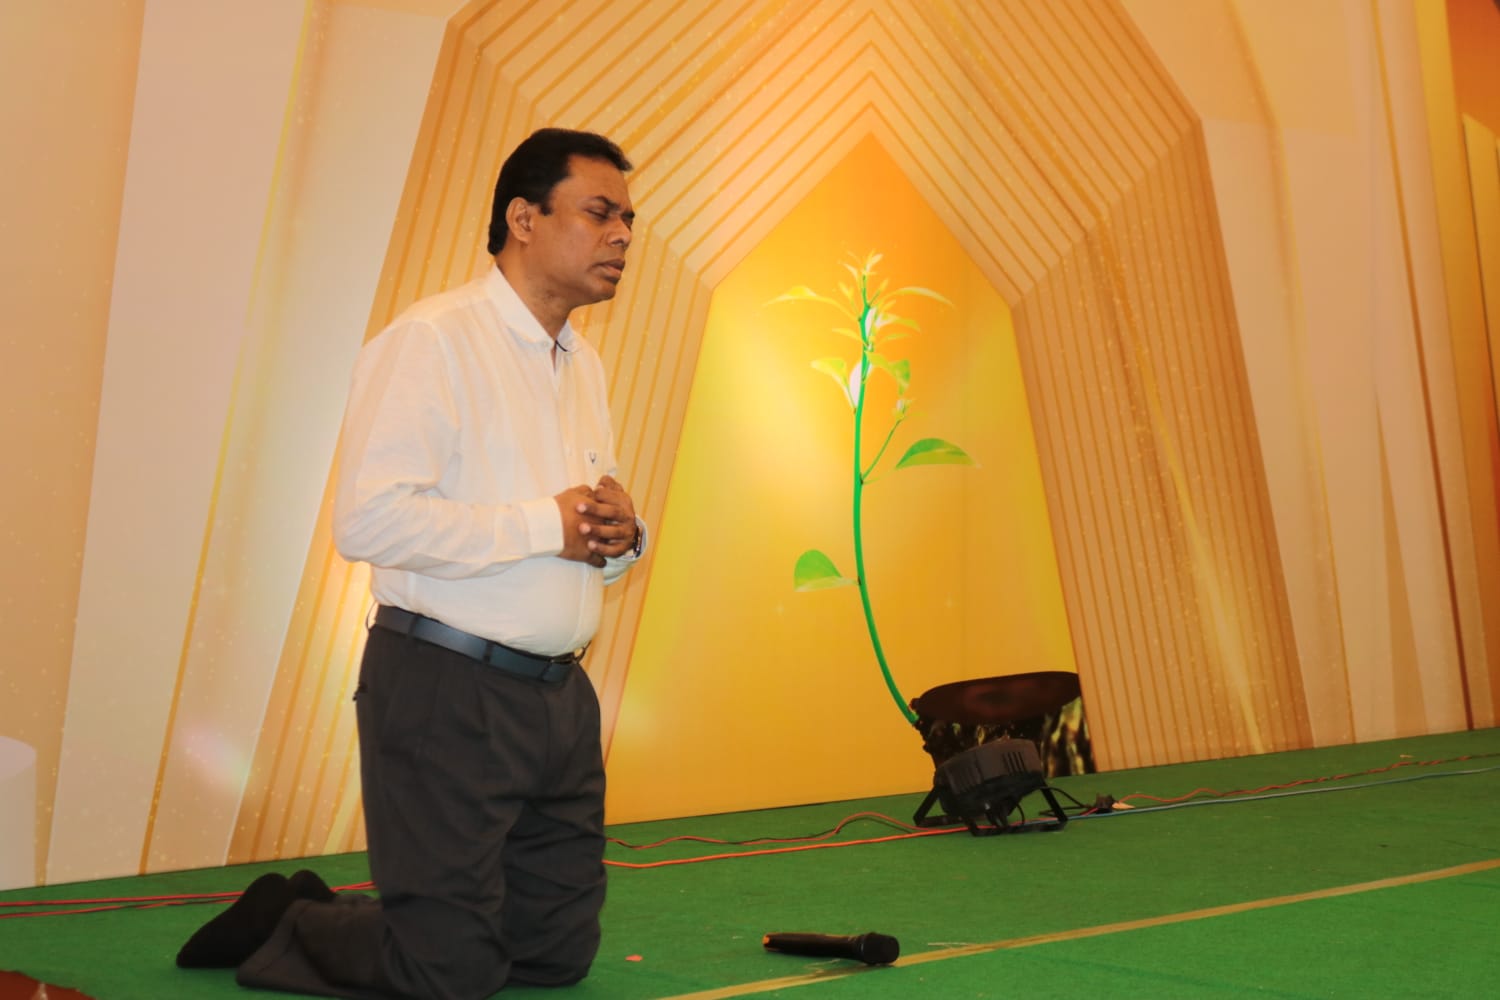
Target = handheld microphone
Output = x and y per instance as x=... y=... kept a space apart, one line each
x=871 y=949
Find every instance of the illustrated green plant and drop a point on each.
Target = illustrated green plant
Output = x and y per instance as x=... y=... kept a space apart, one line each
x=868 y=306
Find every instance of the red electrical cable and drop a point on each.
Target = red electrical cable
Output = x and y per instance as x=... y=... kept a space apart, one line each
x=129 y=902
x=768 y=840
x=784 y=850
x=814 y=842
x=185 y=897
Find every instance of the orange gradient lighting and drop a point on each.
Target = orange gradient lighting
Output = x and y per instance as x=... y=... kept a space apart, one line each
x=742 y=692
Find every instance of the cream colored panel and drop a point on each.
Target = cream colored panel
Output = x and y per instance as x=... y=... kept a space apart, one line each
x=1225 y=88
x=1484 y=183
x=1308 y=63
x=70 y=68
x=17 y=813
x=210 y=101
x=1368 y=392
x=1428 y=688
x=361 y=94
x=1251 y=197
x=1463 y=375
x=428 y=10
x=1251 y=189
x=1338 y=293
x=1414 y=113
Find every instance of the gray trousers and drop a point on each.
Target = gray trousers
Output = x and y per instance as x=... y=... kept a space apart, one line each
x=484 y=815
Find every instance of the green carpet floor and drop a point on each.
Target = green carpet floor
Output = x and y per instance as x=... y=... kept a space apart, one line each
x=1229 y=899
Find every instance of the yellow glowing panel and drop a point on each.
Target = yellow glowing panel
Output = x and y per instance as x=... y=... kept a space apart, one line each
x=743 y=693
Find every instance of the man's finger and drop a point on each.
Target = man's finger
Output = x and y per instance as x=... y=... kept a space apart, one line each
x=603 y=513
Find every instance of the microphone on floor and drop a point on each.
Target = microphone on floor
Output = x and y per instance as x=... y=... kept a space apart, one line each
x=871 y=948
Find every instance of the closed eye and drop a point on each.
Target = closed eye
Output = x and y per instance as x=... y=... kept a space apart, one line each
x=603 y=210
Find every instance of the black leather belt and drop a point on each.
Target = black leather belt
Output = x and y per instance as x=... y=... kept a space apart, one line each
x=551 y=669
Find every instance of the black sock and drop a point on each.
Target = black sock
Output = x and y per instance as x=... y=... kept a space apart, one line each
x=308 y=885
x=234 y=935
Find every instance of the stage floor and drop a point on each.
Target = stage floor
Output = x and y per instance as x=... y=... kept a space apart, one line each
x=1362 y=871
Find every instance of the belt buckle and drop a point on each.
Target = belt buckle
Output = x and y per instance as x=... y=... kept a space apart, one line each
x=558 y=666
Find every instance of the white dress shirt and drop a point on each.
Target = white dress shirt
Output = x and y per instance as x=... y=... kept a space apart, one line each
x=459 y=431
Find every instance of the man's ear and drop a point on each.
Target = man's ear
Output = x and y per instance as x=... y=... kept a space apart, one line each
x=519 y=216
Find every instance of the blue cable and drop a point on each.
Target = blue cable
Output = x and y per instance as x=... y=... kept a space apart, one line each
x=1226 y=799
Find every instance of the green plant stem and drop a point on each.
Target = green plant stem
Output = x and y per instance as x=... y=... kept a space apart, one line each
x=859 y=545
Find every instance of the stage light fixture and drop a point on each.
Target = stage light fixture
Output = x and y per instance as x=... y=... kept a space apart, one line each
x=974 y=731
x=988 y=783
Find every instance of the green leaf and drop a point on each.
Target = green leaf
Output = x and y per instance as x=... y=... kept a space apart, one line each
x=838 y=370
x=935 y=451
x=916 y=290
x=815 y=571
x=900 y=370
x=891 y=319
x=801 y=293
x=888 y=328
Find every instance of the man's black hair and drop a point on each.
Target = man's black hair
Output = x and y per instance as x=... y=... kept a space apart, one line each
x=536 y=166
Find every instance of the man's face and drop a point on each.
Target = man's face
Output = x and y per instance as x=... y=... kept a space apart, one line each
x=579 y=246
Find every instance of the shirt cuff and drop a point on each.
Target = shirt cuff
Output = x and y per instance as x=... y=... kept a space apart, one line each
x=544 y=526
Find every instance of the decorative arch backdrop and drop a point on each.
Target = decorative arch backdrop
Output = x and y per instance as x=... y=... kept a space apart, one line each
x=1219 y=343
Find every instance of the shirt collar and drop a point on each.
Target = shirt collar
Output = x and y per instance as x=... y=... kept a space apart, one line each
x=519 y=319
